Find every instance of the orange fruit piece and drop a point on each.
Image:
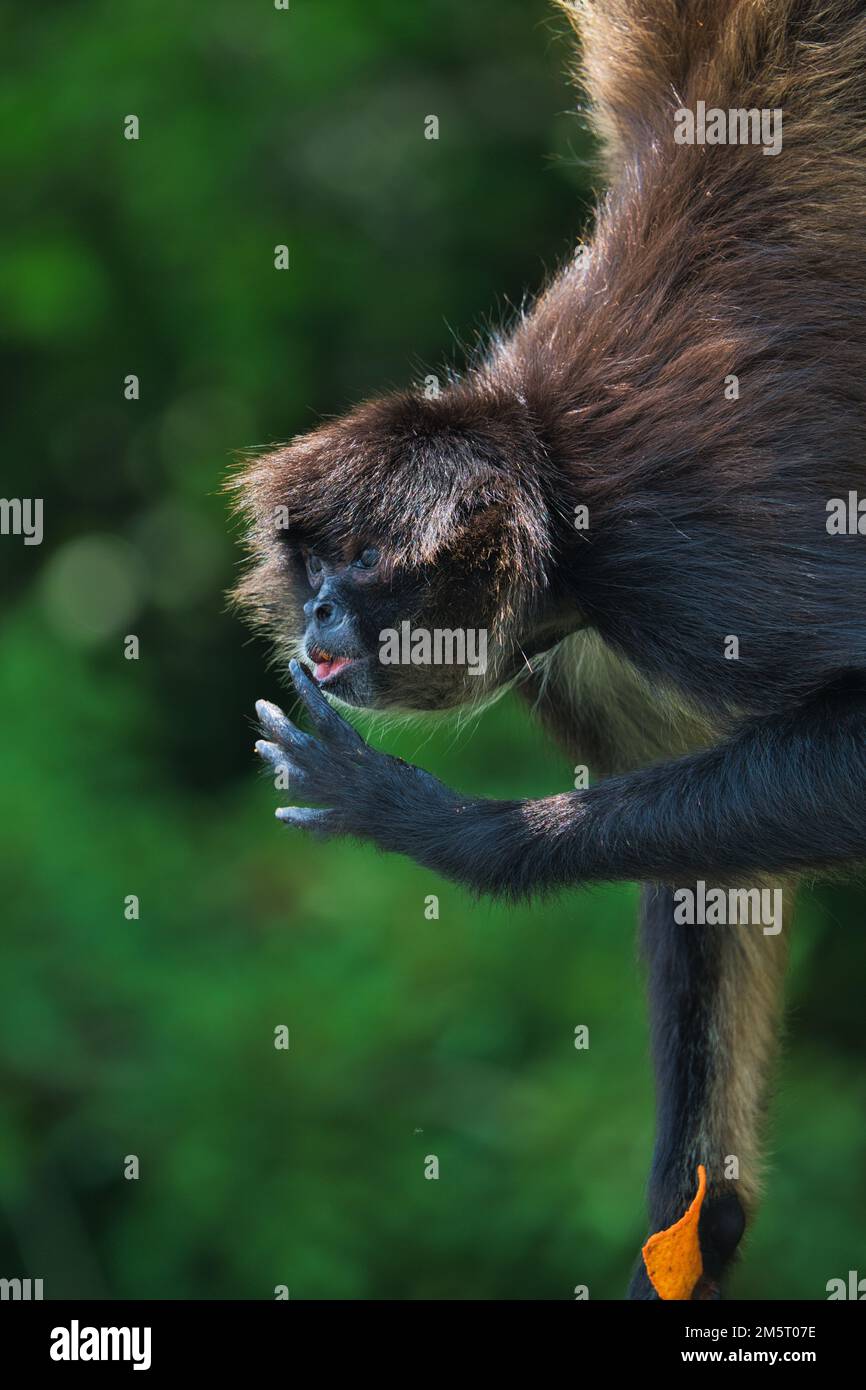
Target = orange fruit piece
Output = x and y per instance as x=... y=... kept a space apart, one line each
x=673 y=1257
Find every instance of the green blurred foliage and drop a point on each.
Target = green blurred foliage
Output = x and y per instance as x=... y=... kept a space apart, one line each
x=408 y=1036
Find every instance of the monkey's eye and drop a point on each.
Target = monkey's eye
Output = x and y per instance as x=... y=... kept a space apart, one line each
x=314 y=564
x=368 y=559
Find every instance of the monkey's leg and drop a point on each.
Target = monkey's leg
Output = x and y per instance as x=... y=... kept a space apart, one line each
x=715 y=1004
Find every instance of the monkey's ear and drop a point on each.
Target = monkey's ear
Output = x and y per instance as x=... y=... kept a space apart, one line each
x=453 y=501
x=486 y=520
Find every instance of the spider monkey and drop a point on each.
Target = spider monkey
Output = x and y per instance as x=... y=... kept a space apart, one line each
x=692 y=386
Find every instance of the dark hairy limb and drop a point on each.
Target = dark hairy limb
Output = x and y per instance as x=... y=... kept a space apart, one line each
x=715 y=1002
x=782 y=794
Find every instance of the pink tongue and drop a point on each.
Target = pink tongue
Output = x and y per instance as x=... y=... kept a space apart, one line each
x=323 y=669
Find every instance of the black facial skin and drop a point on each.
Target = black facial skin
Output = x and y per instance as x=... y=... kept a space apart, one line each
x=348 y=601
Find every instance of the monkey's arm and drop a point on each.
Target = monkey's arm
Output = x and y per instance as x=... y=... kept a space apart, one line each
x=781 y=794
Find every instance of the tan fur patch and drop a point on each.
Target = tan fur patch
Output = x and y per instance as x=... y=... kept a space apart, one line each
x=746 y=1027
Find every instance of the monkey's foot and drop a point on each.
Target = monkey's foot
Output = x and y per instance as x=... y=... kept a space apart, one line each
x=673 y=1259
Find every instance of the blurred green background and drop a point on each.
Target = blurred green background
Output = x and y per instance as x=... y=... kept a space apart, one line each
x=408 y=1037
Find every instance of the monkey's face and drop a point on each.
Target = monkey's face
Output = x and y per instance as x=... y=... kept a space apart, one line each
x=345 y=594
x=402 y=552
x=378 y=634
x=348 y=598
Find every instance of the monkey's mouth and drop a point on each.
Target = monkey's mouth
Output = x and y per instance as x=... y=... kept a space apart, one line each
x=327 y=665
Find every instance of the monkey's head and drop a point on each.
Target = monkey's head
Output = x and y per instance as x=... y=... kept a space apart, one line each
x=404 y=551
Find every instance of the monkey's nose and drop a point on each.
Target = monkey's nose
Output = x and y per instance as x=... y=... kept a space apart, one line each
x=327 y=613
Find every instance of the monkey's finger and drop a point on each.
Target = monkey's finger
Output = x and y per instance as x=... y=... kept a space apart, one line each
x=320 y=822
x=278 y=727
x=327 y=722
x=289 y=776
x=275 y=754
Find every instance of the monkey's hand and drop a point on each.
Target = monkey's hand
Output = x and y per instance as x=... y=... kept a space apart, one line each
x=354 y=789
